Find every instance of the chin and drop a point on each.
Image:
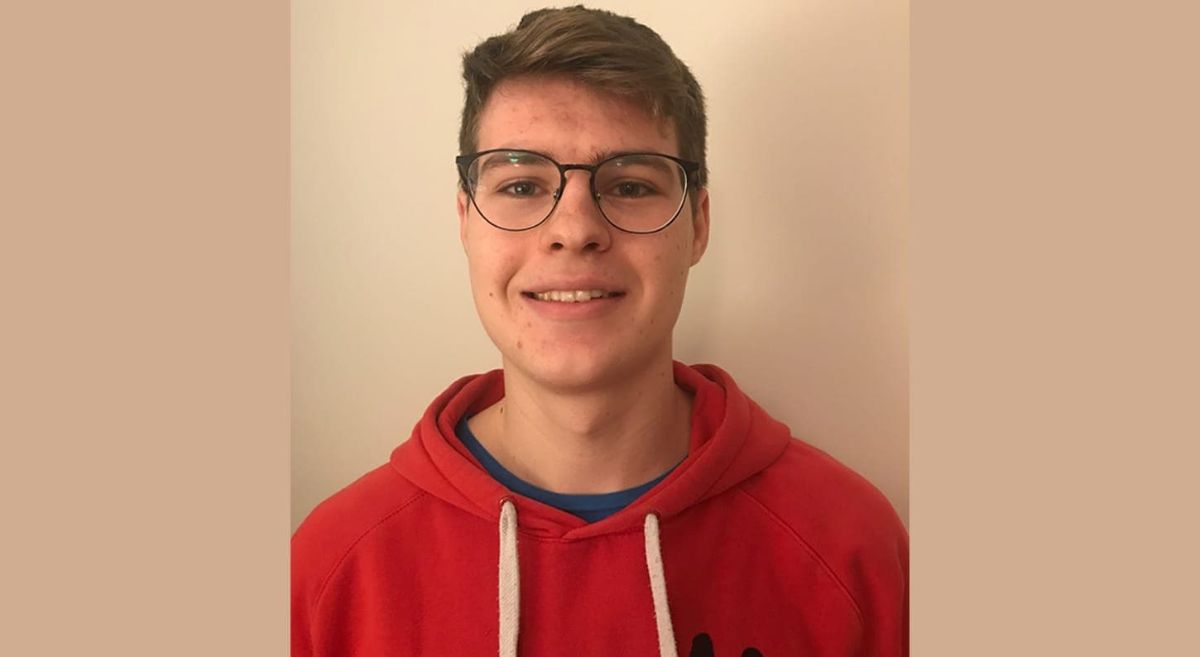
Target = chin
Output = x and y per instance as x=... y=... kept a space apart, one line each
x=569 y=369
x=572 y=367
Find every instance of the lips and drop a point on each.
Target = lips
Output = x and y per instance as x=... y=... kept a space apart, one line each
x=572 y=296
x=573 y=291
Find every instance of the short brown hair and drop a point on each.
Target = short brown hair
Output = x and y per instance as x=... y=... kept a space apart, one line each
x=609 y=52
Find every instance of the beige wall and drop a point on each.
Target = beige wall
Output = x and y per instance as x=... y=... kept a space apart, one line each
x=802 y=295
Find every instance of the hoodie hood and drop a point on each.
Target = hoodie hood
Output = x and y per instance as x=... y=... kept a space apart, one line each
x=732 y=439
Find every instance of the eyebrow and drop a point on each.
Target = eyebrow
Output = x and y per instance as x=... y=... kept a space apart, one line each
x=599 y=155
x=607 y=154
x=594 y=157
x=647 y=160
x=517 y=155
x=509 y=156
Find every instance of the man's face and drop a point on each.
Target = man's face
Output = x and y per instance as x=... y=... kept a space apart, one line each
x=599 y=342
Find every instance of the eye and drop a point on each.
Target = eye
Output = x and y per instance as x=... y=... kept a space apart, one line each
x=520 y=188
x=632 y=189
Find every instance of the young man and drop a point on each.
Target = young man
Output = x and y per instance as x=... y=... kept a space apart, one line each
x=594 y=497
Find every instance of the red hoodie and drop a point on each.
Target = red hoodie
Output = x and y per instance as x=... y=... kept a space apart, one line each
x=757 y=544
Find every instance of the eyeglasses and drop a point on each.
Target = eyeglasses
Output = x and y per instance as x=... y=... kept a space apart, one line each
x=517 y=190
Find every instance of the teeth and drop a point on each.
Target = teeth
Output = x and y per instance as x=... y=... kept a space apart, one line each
x=570 y=296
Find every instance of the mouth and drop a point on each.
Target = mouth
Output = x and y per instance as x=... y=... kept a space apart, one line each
x=572 y=296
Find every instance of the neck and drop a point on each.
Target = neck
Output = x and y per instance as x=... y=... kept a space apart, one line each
x=594 y=441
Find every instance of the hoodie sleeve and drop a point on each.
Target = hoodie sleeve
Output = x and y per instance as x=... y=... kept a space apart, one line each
x=312 y=559
x=877 y=575
x=867 y=548
x=301 y=622
x=855 y=531
x=322 y=542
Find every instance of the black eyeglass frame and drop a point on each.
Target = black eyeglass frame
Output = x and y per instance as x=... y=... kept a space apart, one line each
x=463 y=162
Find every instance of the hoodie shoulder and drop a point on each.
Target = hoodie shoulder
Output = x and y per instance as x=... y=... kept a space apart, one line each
x=339 y=523
x=845 y=522
x=825 y=503
x=813 y=491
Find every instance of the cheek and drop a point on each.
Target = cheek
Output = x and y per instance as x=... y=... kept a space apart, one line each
x=491 y=272
x=668 y=264
x=675 y=255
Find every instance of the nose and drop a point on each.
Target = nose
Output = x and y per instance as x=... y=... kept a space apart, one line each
x=576 y=223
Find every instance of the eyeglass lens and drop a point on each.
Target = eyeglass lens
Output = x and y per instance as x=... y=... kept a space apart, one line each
x=515 y=190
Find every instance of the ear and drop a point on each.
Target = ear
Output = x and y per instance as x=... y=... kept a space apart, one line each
x=700 y=224
x=462 y=204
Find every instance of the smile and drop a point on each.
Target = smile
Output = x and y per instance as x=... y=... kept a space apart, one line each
x=572 y=296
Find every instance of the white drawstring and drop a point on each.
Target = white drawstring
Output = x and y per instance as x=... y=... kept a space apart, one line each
x=510 y=581
x=510 y=584
x=658 y=588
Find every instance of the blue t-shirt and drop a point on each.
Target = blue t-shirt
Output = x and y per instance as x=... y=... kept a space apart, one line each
x=589 y=507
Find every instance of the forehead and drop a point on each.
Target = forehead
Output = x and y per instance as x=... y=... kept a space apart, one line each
x=569 y=120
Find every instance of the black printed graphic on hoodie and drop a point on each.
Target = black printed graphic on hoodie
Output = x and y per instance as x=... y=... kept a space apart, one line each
x=702 y=646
